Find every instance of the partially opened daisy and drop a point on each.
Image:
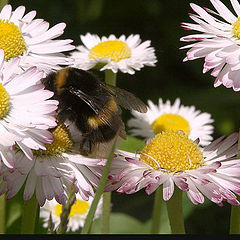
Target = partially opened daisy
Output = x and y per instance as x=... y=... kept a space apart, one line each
x=32 y=39
x=26 y=113
x=217 y=41
x=125 y=54
x=172 y=160
x=52 y=171
x=165 y=116
x=77 y=214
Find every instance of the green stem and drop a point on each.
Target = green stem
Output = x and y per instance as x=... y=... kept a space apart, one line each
x=2 y=213
x=102 y=182
x=106 y=210
x=235 y=210
x=156 y=210
x=175 y=212
x=3 y=3
x=110 y=77
x=30 y=216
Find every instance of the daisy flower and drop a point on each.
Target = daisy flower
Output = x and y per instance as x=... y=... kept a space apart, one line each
x=26 y=113
x=165 y=116
x=77 y=216
x=217 y=41
x=32 y=39
x=171 y=158
x=52 y=171
x=126 y=54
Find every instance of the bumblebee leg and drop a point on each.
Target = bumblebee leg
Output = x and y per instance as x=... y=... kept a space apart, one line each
x=85 y=146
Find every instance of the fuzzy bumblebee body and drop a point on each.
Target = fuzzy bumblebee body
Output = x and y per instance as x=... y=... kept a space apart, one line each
x=92 y=105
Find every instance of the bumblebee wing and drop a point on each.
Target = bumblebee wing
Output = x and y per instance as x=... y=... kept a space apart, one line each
x=126 y=99
x=95 y=103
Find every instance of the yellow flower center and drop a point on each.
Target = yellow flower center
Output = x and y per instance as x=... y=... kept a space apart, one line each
x=115 y=50
x=62 y=142
x=171 y=122
x=4 y=102
x=236 y=28
x=11 y=40
x=172 y=151
x=80 y=207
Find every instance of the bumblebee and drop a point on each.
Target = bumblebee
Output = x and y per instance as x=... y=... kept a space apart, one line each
x=92 y=105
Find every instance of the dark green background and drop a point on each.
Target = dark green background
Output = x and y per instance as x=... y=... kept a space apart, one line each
x=158 y=21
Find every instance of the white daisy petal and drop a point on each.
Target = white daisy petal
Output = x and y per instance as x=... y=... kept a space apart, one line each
x=203 y=174
x=219 y=43
x=121 y=54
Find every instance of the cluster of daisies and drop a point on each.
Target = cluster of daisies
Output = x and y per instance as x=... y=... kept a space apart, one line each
x=42 y=156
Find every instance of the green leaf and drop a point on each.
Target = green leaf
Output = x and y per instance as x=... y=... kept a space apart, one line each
x=132 y=144
x=121 y=223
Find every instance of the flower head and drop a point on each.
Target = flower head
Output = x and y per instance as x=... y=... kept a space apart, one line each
x=26 y=113
x=77 y=214
x=171 y=158
x=32 y=40
x=124 y=54
x=217 y=41
x=165 y=116
x=52 y=171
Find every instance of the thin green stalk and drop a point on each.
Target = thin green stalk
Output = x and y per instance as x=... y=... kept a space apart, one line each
x=2 y=214
x=156 y=214
x=3 y=3
x=106 y=210
x=99 y=191
x=235 y=210
x=30 y=216
x=110 y=77
x=175 y=212
x=66 y=209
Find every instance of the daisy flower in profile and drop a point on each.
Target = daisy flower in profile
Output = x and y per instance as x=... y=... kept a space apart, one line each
x=125 y=54
x=165 y=116
x=217 y=41
x=77 y=216
x=26 y=113
x=32 y=39
x=52 y=171
x=171 y=158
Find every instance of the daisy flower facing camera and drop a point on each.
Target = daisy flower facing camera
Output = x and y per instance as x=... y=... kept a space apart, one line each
x=124 y=54
x=26 y=113
x=217 y=41
x=165 y=116
x=171 y=158
x=32 y=40
x=77 y=216
x=52 y=171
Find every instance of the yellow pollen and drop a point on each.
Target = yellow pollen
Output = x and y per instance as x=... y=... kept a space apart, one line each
x=80 y=207
x=11 y=40
x=236 y=28
x=4 y=102
x=62 y=142
x=115 y=50
x=172 y=151
x=171 y=122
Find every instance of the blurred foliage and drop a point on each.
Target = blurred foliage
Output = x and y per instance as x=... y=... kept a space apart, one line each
x=158 y=21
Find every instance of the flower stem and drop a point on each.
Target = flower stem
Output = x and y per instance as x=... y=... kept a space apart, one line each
x=2 y=213
x=110 y=77
x=102 y=182
x=3 y=3
x=66 y=209
x=30 y=216
x=106 y=212
x=175 y=212
x=235 y=210
x=156 y=210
